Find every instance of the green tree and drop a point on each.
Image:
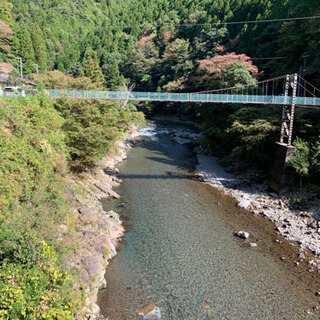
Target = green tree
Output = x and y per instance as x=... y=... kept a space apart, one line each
x=236 y=74
x=91 y=67
x=6 y=35
x=141 y=61
x=206 y=44
x=168 y=31
x=300 y=160
x=113 y=77
x=176 y=62
x=315 y=159
x=5 y=12
x=39 y=47
x=26 y=51
x=77 y=70
x=193 y=23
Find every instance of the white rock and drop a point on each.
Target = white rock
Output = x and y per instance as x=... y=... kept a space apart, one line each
x=243 y=234
x=92 y=312
x=244 y=203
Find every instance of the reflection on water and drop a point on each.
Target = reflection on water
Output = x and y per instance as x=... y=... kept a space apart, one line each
x=181 y=254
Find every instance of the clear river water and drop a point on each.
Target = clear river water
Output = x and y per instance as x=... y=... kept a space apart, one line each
x=180 y=252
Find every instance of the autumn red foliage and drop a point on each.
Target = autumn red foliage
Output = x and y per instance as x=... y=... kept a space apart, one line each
x=220 y=62
x=143 y=40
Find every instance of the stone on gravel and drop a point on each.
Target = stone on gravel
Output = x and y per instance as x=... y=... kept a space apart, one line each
x=242 y=234
x=150 y=312
x=244 y=203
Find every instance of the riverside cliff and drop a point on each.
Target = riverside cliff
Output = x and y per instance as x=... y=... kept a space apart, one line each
x=55 y=239
x=98 y=233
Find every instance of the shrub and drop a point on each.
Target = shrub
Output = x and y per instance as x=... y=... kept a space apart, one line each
x=35 y=144
x=91 y=127
x=37 y=291
x=58 y=80
x=32 y=204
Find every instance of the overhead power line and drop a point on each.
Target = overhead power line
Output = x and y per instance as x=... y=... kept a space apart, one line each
x=214 y=23
x=268 y=58
x=201 y=24
x=217 y=23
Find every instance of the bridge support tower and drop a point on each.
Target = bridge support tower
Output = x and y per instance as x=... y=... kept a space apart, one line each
x=280 y=177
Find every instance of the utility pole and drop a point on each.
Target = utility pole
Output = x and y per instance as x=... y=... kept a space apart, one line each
x=305 y=56
x=37 y=67
x=21 y=71
x=302 y=73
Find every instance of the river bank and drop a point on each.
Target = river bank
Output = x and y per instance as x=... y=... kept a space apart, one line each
x=296 y=214
x=286 y=211
x=97 y=232
x=297 y=224
x=180 y=256
x=251 y=193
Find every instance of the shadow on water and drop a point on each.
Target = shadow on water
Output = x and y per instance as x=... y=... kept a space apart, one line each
x=167 y=175
x=166 y=151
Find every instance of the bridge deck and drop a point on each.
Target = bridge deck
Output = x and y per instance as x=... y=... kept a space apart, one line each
x=183 y=97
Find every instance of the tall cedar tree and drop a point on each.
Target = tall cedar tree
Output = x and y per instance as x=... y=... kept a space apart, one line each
x=25 y=51
x=91 y=67
x=114 y=75
x=39 y=47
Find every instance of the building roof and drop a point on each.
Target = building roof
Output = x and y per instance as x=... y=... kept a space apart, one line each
x=5 y=68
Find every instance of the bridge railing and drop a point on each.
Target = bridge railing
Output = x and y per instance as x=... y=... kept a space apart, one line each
x=184 y=97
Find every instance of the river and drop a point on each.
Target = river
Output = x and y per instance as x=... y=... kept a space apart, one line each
x=181 y=254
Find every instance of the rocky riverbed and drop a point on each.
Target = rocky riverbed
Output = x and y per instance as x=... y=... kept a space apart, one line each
x=293 y=223
x=166 y=206
x=290 y=219
x=286 y=211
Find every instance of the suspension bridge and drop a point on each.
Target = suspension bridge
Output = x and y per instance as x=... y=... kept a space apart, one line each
x=289 y=91
x=264 y=92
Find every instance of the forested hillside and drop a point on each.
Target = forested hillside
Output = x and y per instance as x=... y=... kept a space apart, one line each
x=148 y=45
x=142 y=40
x=166 y=45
